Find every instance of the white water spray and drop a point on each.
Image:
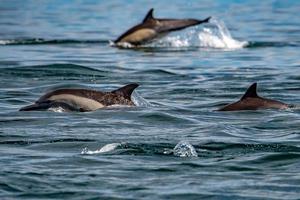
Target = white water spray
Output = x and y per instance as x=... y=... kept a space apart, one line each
x=185 y=149
x=214 y=36
x=105 y=149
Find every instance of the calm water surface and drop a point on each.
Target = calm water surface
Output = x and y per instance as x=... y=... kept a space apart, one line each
x=173 y=145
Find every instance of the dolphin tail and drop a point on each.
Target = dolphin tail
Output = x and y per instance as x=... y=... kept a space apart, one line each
x=205 y=20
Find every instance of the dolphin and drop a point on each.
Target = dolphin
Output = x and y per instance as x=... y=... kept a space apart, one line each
x=251 y=101
x=83 y=100
x=152 y=28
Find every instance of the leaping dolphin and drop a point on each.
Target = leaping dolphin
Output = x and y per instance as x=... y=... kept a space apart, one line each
x=82 y=99
x=251 y=101
x=152 y=28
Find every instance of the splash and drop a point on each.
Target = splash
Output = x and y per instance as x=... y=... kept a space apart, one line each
x=219 y=37
x=105 y=149
x=184 y=149
x=124 y=45
x=6 y=42
x=57 y=109
x=138 y=100
x=216 y=35
x=294 y=107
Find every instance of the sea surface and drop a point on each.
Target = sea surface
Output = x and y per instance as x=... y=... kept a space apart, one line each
x=173 y=144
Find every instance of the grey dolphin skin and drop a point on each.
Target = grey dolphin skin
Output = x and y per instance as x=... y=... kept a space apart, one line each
x=152 y=28
x=251 y=101
x=83 y=100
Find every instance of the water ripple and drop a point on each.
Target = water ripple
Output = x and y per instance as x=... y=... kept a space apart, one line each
x=41 y=41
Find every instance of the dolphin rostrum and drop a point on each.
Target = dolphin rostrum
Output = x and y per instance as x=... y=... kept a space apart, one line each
x=83 y=99
x=152 y=28
x=251 y=101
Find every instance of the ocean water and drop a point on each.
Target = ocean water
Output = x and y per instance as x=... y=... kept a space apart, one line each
x=173 y=144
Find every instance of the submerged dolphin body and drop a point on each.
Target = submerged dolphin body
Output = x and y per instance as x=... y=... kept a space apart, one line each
x=82 y=99
x=251 y=101
x=152 y=28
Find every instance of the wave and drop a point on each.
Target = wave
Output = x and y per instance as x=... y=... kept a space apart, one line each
x=64 y=66
x=182 y=149
x=41 y=41
x=53 y=141
x=185 y=149
x=262 y=44
x=57 y=69
x=213 y=36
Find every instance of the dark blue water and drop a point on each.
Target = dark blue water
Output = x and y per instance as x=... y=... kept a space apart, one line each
x=173 y=145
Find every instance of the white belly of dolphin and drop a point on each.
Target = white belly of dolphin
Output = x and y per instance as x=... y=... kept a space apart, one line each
x=80 y=102
x=140 y=35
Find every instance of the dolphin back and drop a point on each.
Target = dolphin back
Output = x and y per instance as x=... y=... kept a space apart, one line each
x=167 y=25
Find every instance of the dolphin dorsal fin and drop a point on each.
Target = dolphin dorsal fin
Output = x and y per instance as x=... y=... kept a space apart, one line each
x=126 y=91
x=149 y=15
x=251 y=92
